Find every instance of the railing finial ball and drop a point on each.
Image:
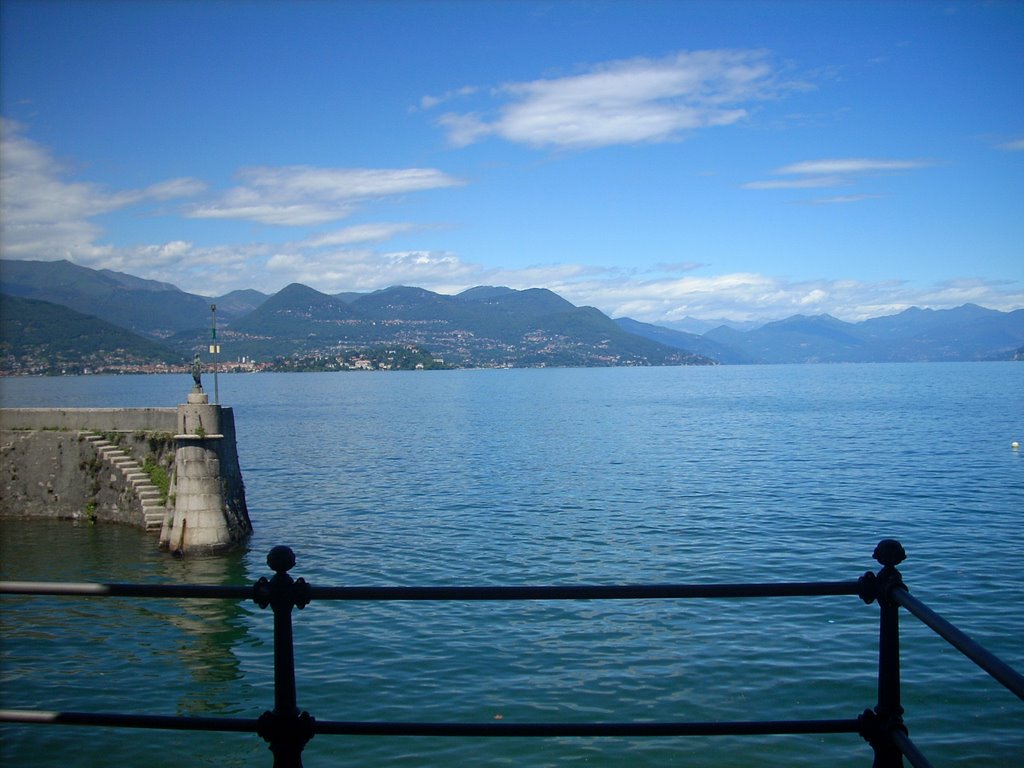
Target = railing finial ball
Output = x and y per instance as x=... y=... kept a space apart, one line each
x=889 y=552
x=281 y=559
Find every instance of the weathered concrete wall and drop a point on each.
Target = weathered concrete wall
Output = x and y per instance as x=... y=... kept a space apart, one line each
x=49 y=469
x=92 y=419
x=59 y=474
x=44 y=474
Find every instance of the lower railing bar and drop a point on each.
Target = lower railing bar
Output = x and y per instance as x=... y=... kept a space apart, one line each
x=590 y=592
x=910 y=750
x=121 y=720
x=991 y=663
x=741 y=728
x=81 y=589
x=578 y=592
x=350 y=728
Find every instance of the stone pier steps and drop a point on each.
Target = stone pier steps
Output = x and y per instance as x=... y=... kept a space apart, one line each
x=147 y=493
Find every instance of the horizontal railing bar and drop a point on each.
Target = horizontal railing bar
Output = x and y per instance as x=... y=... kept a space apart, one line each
x=574 y=592
x=589 y=592
x=121 y=720
x=910 y=750
x=988 y=661
x=505 y=729
x=371 y=728
x=83 y=589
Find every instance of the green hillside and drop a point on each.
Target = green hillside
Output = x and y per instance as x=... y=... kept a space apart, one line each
x=44 y=338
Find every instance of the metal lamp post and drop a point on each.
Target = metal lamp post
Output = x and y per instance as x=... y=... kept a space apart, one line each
x=215 y=351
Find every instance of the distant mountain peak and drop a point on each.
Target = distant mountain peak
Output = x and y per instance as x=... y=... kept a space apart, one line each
x=482 y=292
x=298 y=289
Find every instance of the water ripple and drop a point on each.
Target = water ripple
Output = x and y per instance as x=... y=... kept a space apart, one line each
x=576 y=476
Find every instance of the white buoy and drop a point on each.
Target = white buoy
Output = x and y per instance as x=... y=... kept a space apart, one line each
x=1015 y=445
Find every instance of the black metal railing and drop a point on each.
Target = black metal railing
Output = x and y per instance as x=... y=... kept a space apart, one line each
x=287 y=729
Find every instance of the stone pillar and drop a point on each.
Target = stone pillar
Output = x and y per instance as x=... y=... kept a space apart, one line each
x=197 y=417
x=209 y=512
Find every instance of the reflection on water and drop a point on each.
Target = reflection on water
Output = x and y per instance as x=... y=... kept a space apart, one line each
x=557 y=476
x=210 y=630
x=181 y=651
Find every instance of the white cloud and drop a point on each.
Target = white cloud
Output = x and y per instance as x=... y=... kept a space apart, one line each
x=359 y=233
x=286 y=262
x=755 y=297
x=540 y=276
x=306 y=195
x=465 y=129
x=45 y=216
x=626 y=102
x=429 y=102
x=168 y=253
x=364 y=270
x=1016 y=145
x=175 y=188
x=742 y=296
x=810 y=183
x=852 y=165
x=835 y=172
x=679 y=266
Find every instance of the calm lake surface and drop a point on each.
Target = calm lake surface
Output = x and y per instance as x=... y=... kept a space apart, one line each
x=559 y=476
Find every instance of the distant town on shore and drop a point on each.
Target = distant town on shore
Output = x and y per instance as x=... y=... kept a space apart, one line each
x=60 y=318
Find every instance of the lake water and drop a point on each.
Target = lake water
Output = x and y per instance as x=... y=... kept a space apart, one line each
x=567 y=476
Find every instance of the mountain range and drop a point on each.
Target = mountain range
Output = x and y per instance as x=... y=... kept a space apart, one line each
x=966 y=333
x=482 y=326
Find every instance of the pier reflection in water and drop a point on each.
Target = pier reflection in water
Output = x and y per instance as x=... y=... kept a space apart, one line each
x=210 y=631
x=175 y=657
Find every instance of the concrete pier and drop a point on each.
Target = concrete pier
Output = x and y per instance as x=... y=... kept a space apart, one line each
x=85 y=463
x=209 y=511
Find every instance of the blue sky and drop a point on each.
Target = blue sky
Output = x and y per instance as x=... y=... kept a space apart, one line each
x=658 y=160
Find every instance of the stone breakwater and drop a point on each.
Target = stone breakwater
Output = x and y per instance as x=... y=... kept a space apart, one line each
x=82 y=475
x=172 y=470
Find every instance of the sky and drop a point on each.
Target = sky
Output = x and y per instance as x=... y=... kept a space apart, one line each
x=658 y=160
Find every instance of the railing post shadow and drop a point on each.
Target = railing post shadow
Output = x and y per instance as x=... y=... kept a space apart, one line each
x=286 y=730
x=878 y=725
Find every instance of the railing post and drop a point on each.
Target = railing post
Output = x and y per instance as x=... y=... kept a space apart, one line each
x=887 y=716
x=286 y=730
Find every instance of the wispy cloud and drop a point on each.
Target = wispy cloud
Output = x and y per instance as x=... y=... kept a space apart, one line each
x=359 y=233
x=758 y=297
x=1016 y=145
x=808 y=183
x=679 y=266
x=367 y=269
x=174 y=188
x=47 y=214
x=849 y=166
x=305 y=195
x=742 y=296
x=835 y=172
x=626 y=102
x=43 y=214
x=429 y=102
